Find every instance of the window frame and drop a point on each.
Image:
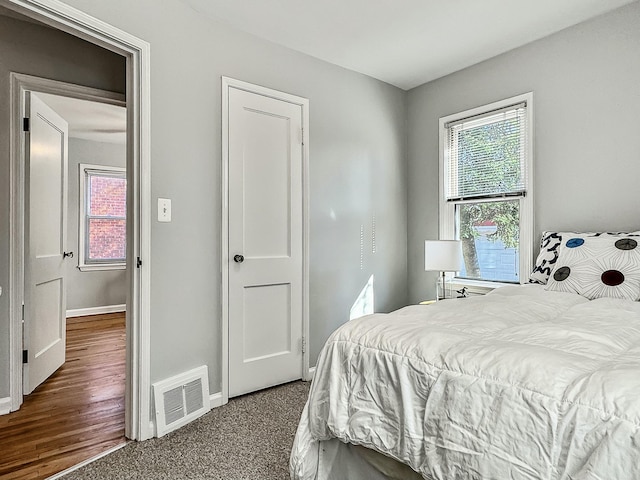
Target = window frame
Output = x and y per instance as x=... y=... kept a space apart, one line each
x=447 y=209
x=84 y=264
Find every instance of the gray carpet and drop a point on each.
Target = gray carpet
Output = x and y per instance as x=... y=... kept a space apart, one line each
x=249 y=438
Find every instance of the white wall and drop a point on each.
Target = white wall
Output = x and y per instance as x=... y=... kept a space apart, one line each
x=36 y=50
x=97 y=288
x=357 y=170
x=586 y=85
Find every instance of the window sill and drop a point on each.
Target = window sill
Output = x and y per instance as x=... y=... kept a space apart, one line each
x=94 y=268
x=478 y=287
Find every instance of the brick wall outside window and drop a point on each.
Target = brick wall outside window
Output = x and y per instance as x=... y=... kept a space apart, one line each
x=106 y=236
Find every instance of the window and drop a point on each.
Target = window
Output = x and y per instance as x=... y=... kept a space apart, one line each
x=103 y=217
x=485 y=189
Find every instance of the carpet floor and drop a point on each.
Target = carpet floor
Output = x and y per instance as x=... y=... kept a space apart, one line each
x=249 y=438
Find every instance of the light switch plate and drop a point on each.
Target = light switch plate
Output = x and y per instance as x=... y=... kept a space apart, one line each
x=164 y=210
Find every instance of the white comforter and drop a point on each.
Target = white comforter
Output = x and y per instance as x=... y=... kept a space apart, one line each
x=519 y=384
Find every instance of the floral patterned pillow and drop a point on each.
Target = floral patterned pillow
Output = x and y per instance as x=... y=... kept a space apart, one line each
x=550 y=248
x=597 y=267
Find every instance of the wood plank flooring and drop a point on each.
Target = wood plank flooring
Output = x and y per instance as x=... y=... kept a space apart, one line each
x=78 y=412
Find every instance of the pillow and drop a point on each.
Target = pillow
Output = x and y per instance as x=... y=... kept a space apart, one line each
x=549 y=248
x=596 y=267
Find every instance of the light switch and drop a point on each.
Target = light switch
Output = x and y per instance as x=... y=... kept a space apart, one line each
x=164 y=210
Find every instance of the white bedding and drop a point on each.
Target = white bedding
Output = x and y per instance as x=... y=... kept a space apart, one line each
x=519 y=384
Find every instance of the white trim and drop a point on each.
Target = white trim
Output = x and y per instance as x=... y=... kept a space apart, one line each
x=224 y=245
x=227 y=83
x=102 y=267
x=75 y=22
x=5 y=405
x=310 y=374
x=16 y=249
x=215 y=400
x=446 y=209
x=84 y=463
x=85 y=312
x=477 y=287
x=83 y=266
x=306 y=233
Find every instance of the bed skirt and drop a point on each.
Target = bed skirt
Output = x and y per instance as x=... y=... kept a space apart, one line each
x=338 y=461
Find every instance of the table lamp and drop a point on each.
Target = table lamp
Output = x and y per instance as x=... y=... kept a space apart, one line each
x=442 y=256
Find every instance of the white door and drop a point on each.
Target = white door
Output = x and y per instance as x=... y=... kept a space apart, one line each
x=265 y=241
x=45 y=240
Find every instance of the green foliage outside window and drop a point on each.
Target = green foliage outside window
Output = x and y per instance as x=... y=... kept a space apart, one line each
x=489 y=163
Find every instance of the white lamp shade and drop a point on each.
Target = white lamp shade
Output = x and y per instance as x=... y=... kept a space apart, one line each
x=443 y=255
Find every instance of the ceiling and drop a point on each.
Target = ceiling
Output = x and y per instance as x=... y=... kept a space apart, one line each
x=403 y=42
x=98 y=122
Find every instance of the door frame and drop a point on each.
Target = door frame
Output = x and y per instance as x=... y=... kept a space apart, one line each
x=227 y=84
x=75 y=22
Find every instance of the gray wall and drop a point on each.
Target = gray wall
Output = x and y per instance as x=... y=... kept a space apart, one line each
x=91 y=288
x=35 y=50
x=586 y=84
x=357 y=171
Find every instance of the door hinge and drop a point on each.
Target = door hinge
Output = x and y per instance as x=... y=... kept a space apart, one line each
x=25 y=356
x=23 y=312
x=26 y=124
x=304 y=345
x=138 y=262
x=302 y=133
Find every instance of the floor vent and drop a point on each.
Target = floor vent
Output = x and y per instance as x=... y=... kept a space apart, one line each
x=181 y=399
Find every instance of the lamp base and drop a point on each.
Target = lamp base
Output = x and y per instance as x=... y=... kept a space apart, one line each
x=441 y=288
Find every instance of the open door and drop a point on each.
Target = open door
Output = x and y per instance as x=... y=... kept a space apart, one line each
x=45 y=241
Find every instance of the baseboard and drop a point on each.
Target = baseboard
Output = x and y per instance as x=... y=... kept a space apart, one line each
x=215 y=400
x=87 y=462
x=84 y=312
x=5 y=405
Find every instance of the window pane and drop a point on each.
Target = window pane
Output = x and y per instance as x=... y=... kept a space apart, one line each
x=487 y=156
x=107 y=239
x=490 y=239
x=108 y=196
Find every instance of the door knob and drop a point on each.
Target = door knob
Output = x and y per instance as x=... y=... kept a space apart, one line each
x=238 y=258
x=67 y=254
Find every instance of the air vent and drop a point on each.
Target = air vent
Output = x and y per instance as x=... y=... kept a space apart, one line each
x=181 y=399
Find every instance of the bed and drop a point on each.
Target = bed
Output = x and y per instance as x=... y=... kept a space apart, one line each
x=526 y=382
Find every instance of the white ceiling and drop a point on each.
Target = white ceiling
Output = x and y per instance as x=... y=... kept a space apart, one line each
x=403 y=42
x=98 y=122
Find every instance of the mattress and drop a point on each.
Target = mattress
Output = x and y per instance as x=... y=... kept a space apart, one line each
x=518 y=384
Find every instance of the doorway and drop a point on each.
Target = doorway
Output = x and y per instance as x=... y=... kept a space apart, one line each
x=75 y=218
x=87 y=375
x=74 y=248
x=265 y=238
x=136 y=51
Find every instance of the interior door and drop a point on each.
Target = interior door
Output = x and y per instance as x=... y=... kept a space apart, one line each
x=265 y=241
x=45 y=240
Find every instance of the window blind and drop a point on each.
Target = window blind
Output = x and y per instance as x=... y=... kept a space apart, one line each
x=486 y=155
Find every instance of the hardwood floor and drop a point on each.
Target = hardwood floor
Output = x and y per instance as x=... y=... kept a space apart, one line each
x=78 y=412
